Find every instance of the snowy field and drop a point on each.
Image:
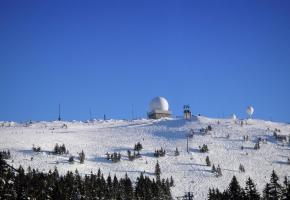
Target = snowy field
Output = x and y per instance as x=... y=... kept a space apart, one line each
x=188 y=170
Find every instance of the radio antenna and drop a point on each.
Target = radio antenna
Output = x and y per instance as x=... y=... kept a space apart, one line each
x=59 y=118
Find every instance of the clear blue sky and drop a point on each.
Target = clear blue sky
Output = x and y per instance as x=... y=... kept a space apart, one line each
x=217 y=56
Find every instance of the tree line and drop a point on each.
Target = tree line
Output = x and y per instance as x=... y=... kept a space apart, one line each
x=272 y=191
x=33 y=184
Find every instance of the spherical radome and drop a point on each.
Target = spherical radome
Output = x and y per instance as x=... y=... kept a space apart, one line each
x=250 y=110
x=159 y=103
x=234 y=117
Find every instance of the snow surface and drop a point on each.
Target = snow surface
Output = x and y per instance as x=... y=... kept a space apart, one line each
x=188 y=170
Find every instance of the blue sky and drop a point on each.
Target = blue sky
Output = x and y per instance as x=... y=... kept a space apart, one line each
x=217 y=56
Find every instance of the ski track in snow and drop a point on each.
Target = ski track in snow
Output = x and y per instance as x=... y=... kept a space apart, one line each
x=189 y=171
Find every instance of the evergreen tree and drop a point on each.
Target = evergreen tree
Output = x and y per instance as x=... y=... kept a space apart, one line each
x=127 y=188
x=242 y=168
x=257 y=146
x=36 y=149
x=109 y=191
x=218 y=171
x=251 y=191
x=209 y=128
x=211 y=194
x=176 y=153
x=130 y=157
x=286 y=190
x=108 y=156
x=213 y=169
x=56 y=149
x=208 y=163
x=215 y=194
x=235 y=191
x=273 y=190
x=71 y=159
x=266 y=192
x=203 y=149
x=138 y=147
x=171 y=182
x=275 y=187
x=157 y=171
x=115 y=187
x=82 y=157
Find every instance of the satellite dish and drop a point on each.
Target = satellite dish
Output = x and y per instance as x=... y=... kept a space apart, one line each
x=250 y=111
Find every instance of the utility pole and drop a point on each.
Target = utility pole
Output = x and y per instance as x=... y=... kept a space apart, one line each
x=132 y=112
x=90 y=115
x=187 y=144
x=59 y=118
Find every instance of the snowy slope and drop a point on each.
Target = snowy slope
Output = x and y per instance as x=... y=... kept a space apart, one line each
x=188 y=170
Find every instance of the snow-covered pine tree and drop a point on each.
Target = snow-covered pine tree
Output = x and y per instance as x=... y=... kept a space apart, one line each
x=71 y=159
x=286 y=189
x=209 y=128
x=108 y=156
x=213 y=169
x=266 y=192
x=56 y=149
x=176 y=153
x=203 y=149
x=257 y=146
x=157 y=171
x=171 y=182
x=234 y=190
x=242 y=168
x=129 y=155
x=138 y=147
x=272 y=190
x=127 y=188
x=218 y=171
x=251 y=191
x=208 y=163
x=82 y=157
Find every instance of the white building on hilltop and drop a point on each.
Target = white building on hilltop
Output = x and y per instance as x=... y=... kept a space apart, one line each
x=159 y=108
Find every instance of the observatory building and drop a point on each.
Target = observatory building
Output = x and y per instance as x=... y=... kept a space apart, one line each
x=159 y=108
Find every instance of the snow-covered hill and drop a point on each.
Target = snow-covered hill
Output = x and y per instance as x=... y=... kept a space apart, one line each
x=188 y=170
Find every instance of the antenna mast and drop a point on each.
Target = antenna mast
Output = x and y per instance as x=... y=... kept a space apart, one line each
x=90 y=114
x=59 y=118
x=132 y=112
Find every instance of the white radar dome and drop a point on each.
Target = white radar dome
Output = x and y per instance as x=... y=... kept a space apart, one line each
x=159 y=103
x=250 y=111
x=234 y=117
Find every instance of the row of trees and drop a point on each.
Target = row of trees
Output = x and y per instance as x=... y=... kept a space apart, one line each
x=60 y=149
x=32 y=184
x=136 y=152
x=5 y=154
x=36 y=148
x=272 y=191
x=216 y=170
x=133 y=156
x=204 y=148
x=159 y=153
x=138 y=147
x=114 y=157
